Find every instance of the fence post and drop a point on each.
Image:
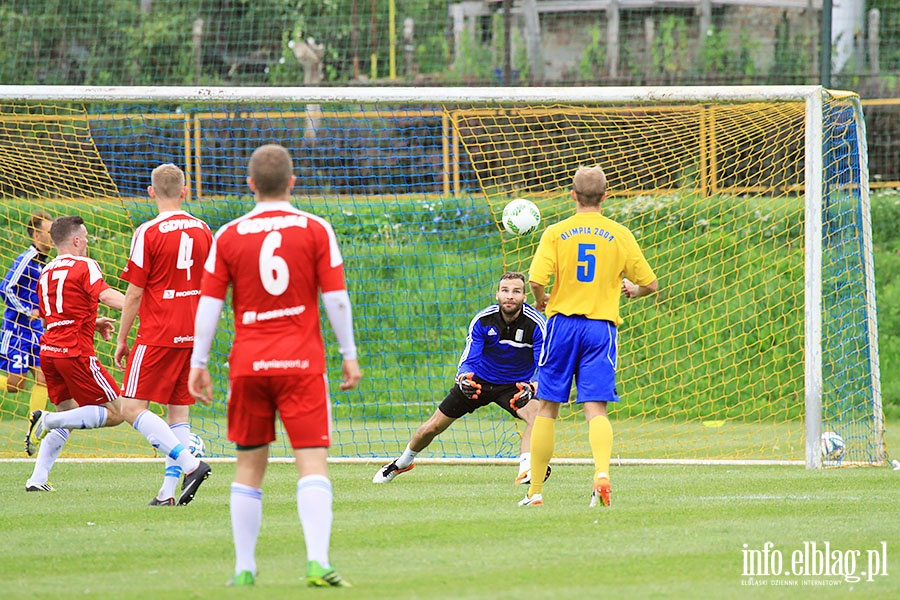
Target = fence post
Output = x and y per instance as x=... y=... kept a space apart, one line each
x=825 y=45
x=874 y=40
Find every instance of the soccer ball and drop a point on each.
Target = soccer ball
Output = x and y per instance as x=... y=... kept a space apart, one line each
x=521 y=216
x=196 y=446
x=832 y=446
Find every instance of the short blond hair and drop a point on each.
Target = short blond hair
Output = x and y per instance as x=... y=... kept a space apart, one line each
x=271 y=168
x=590 y=185
x=167 y=181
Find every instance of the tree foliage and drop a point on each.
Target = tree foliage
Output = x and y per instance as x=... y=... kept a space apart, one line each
x=889 y=48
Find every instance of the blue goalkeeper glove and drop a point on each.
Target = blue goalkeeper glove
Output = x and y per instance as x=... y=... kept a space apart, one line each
x=468 y=385
x=527 y=390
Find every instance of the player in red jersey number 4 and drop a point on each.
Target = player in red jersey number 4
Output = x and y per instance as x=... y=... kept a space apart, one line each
x=163 y=273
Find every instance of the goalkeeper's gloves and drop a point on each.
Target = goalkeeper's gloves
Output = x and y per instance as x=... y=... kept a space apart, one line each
x=468 y=385
x=527 y=390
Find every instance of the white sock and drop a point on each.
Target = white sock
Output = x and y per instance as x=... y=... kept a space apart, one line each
x=182 y=432
x=314 y=507
x=407 y=458
x=160 y=436
x=83 y=417
x=524 y=462
x=246 y=519
x=48 y=452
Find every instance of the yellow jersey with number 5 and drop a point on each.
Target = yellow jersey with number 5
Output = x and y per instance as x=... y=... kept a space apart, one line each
x=588 y=254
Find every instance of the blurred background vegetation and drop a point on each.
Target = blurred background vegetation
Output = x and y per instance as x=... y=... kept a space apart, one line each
x=538 y=42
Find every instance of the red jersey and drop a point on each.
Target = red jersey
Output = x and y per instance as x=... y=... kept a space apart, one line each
x=167 y=256
x=69 y=290
x=278 y=259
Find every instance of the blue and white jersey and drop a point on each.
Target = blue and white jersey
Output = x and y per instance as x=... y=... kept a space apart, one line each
x=19 y=292
x=502 y=353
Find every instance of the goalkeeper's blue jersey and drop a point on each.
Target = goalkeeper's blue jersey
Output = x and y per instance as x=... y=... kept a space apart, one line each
x=19 y=292
x=500 y=352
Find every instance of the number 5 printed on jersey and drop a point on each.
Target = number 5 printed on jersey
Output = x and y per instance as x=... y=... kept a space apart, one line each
x=587 y=262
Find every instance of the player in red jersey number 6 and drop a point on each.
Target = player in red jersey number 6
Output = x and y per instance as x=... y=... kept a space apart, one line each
x=277 y=258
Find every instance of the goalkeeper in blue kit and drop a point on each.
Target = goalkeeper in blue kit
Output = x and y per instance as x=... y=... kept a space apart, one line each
x=497 y=366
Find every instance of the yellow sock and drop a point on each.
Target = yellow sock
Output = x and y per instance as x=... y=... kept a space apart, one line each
x=542 y=435
x=600 y=434
x=3 y=379
x=38 y=398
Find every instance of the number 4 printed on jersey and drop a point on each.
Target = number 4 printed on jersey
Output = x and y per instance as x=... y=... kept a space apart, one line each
x=185 y=254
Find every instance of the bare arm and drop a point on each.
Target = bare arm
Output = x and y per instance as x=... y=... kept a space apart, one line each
x=112 y=298
x=633 y=290
x=540 y=296
x=133 y=296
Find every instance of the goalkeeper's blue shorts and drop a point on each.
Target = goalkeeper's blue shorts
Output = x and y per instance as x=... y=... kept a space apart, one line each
x=19 y=350
x=586 y=349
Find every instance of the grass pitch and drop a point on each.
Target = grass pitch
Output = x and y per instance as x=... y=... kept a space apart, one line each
x=450 y=531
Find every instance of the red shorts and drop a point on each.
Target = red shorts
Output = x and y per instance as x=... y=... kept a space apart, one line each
x=81 y=378
x=302 y=403
x=158 y=374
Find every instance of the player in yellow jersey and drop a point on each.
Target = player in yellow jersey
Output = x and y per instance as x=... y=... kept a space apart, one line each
x=592 y=260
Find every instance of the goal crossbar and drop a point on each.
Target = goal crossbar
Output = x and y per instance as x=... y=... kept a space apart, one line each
x=395 y=95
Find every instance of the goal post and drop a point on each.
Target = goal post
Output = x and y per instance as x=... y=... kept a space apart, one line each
x=750 y=202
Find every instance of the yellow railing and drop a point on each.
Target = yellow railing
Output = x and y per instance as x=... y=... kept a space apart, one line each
x=192 y=124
